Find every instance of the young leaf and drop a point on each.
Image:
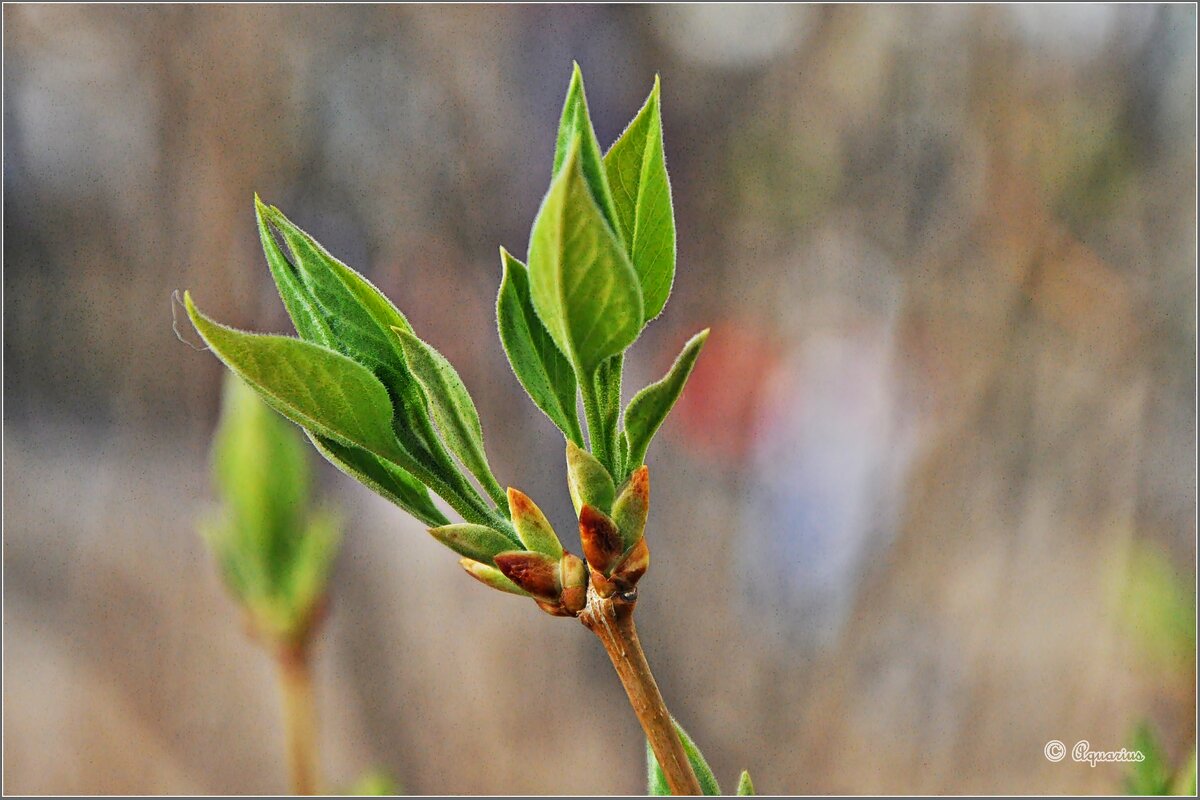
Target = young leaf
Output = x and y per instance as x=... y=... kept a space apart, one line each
x=318 y=389
x=360 y=319
x=649 y=407
x=576 y=124
x=301 y=305
x=745 y=785
x=608 y=402
x=637 y=175
x=489 y=575
x=584 y=288
x=473 y=541
x=588 y=481
x=382 y=477
x=536 y=361
x=532 y=527
x=453 y=409
x=657 y=782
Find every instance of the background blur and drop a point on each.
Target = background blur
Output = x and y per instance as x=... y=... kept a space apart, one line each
x=928 y=502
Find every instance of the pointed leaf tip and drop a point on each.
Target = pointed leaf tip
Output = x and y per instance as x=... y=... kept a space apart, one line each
x=649 y=407
x=745 y=787
x=473 y=541
x=533 y=529
x=632 y=506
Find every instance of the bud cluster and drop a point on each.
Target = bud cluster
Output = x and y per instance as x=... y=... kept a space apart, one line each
x=611 y=527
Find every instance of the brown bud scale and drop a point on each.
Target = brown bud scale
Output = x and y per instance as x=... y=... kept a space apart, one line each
x=601 y=540
x=534 y=572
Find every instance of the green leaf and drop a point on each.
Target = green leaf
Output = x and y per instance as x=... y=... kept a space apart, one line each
x=637 y=174
x=476 y=542
x=608 y=407
x=301 y=305
x=382 y=477
x=360 y=319
x=745 y=786
x=657 y=782
x=318 y=389
x=584 y=288
x=537 y=362
x=453 y=409
x=576 y=124
x=649 y=407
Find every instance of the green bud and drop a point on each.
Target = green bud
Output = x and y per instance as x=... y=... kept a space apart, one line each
x=588 y=480
x=632 y=507
x=531 y=524
x=476 y=542
x=487 y=574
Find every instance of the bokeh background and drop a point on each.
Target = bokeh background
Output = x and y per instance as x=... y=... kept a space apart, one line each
x=928 y=502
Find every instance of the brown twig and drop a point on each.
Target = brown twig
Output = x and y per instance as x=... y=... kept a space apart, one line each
x=611 y=619
x=299 y=718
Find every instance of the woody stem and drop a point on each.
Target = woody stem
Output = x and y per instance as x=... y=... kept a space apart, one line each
x=611 y=619
x=299 y=719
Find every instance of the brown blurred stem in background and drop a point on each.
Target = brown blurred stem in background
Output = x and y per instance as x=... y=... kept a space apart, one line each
x=299 y=717
x=611 y=619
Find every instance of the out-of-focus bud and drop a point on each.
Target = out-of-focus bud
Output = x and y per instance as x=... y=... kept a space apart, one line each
x=632 y=507
x=536 y=573
x=633 y=565
x=588 y=480
x=574 y=581
x=602 y=545
x=489 y=575
x=533 y=529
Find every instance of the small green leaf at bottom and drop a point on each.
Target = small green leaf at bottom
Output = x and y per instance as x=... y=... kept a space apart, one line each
x=649 y=407
x=657 y=782
x=745 y=785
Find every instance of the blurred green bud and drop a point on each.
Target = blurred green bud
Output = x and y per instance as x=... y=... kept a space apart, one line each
x=275 y=554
